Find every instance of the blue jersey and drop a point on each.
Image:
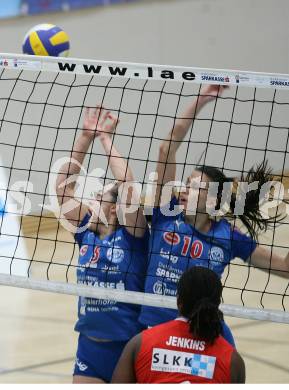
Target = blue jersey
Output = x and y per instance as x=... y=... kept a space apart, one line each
x=176 y=245
x=117 y=261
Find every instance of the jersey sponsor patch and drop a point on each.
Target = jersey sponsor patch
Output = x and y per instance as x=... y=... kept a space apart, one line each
x=160 y=288
x=216 y=256
x=165 y=360
x=115 y=255
x=172 y=238
x=83 y=250
x=92 y=263
x=167 y=255
x=95 y=256
x=172 y=275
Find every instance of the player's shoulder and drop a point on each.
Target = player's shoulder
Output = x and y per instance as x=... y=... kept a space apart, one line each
x=224 y=345
x=122 y=235
x=237 y=234
x=229 y=225
x=83 y=234
x=159 y=331
x=223 y=223
x=222 y=228
x=230 y=228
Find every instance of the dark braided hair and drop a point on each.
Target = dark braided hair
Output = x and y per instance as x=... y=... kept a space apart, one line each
x=252 y=217
x=199 y=296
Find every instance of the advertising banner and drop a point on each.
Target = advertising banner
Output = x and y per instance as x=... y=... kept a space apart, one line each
x=43 y=6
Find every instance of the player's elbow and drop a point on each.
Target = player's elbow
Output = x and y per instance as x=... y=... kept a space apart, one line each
x=287 y=266
x=59 y=185
x=164 y=151
x=63 y=190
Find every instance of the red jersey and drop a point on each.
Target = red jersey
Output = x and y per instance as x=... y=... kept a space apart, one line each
x=170 y=354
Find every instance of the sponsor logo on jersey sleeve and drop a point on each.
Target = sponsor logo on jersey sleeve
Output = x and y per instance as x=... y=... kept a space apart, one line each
x=216 y=256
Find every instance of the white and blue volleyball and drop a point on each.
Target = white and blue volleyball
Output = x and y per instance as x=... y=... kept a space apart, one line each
x=46 y=40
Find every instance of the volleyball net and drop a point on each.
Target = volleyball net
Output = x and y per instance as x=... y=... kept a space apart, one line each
x=42 y=104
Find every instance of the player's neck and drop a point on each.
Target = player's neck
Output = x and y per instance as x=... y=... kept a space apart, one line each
x=201 y=222
x=104 y=230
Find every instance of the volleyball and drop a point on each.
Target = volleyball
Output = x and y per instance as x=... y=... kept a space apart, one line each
x=46 y=40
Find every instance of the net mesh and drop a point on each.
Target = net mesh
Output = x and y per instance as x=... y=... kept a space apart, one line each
x=41 y=115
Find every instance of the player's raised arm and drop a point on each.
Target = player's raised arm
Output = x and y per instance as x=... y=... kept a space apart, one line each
x=135 y=222
x=166 y=166
x=72 y=209
x=265 y=260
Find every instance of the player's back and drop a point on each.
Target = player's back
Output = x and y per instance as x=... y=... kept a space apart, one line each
x=170 y=354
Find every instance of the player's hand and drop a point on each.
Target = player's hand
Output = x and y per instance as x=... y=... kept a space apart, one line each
x=99 y=122
x=210 y=92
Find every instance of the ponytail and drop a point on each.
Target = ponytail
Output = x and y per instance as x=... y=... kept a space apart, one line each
x=199 y=295
x=205 y=321
x=252 y=217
